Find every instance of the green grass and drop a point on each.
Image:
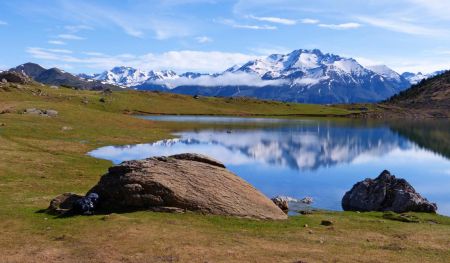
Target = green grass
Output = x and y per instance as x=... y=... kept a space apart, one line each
x=39 y=160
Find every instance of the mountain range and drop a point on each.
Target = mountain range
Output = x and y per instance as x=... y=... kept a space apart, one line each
x=306 y=76
x=300 y=76
x=55 y=76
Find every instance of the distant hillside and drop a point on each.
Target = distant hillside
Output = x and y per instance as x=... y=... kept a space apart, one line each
x=428 y=98
x=55 y=76
x=430 y=93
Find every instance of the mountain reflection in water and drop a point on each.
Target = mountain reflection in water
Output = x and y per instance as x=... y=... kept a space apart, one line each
x=322 y=159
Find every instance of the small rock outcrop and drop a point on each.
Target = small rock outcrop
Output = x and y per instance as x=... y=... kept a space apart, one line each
x=188 y=182
x=73 y=204
x=386 y=193
x=14 y=77
x=40 y=112
x=63 y=203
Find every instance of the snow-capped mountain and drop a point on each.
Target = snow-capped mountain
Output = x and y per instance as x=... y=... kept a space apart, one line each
x=129 y=77
x=300 y=76
x=386 y=72
x=415 y=78
x=307 y=76
x=308 y=67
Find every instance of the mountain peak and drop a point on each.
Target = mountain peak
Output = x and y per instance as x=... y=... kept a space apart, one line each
x=32 y=70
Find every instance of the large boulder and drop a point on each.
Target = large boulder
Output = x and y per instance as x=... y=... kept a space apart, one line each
x=190 y=182
x=386 y=193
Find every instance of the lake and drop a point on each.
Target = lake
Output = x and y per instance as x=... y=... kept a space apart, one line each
x=312 y=157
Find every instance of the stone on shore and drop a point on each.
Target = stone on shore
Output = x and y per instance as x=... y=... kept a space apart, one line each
x=386 y=193
x=189 y=182
x=282 y=202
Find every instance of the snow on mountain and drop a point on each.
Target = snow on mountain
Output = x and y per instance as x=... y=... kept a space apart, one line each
x=386 y=72
x=129 y=77
x=415 y=78
x=305 y=67
x=304 y=76
x=123 y=76
x=300 y=76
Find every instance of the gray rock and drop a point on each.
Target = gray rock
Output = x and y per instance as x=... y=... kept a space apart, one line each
x=34 y=111
x=282 y=202
x=386 y=193
x=63 y=203
x=307 y=200
x=189 y=182
x=14 y=77
x=51 y=113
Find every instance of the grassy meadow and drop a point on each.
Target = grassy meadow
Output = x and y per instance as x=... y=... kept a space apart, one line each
x=41 y=157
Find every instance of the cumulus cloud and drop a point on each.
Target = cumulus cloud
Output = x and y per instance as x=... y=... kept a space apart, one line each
x=227 y=79
x=77 y=28
x=341 y=26
x=184 y=60
x=276 y=20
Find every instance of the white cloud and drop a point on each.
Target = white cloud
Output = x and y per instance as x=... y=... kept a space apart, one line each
x=227 y=79
x=70 y=37
x=203 y=39
x=63 y=51
x=309 y=21
x=76 y=28
x=232 y=23
x=134 y=22
x=3 y=23
x=184 y=60
x=56 y=42
x=401 y=26
x=276 y=20
x=401 y=64
x=437 y=8
x=94 y=54
x=343 y=26
x=367 y=61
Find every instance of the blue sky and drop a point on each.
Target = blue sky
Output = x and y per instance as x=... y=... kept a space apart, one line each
x=211 y=35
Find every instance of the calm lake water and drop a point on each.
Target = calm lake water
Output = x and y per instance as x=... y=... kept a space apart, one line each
x=310 y=157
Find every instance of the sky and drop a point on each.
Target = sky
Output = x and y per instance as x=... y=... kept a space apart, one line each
x=211 y=35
